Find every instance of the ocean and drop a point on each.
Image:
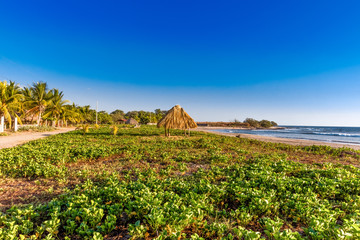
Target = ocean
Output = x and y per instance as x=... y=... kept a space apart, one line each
x=344 y=135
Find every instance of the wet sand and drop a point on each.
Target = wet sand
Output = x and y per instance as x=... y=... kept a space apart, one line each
x=298 y=142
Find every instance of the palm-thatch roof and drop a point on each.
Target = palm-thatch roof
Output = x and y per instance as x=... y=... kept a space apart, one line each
x=177 y=118
x=131 y=121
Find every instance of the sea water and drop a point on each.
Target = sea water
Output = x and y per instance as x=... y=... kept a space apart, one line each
x=345 y=135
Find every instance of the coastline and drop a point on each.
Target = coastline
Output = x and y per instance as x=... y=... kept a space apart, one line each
x=291 y=141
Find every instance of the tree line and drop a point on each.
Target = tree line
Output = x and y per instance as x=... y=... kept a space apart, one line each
x=43 y=106
x=142 y=117
x=259 y=124
x=247 y=123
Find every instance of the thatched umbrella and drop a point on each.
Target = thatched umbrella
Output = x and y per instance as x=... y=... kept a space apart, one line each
x=176 y=118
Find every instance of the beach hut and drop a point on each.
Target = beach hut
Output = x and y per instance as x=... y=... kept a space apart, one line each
x=176 y=118
x=132 y=121
x=121 y=121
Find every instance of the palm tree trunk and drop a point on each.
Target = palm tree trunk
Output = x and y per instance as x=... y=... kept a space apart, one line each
x=39 y=119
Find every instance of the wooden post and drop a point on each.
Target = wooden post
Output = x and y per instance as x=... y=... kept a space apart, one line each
x=16 y=125
x=2 y=124
x=97 y=103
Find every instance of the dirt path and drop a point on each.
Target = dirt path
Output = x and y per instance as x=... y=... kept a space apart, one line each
x=298 y=142
x=23 y=137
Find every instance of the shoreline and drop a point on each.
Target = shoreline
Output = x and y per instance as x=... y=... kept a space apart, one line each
x=291 y=141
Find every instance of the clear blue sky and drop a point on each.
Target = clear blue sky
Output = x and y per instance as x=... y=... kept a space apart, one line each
x=294 y=62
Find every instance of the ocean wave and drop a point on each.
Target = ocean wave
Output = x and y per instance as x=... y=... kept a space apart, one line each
x=337 y=134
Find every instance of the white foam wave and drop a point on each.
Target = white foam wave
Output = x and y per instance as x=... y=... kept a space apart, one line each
x=338 y=134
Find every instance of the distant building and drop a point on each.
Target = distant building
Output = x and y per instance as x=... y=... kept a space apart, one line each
x=132 y=121
x=121 y=121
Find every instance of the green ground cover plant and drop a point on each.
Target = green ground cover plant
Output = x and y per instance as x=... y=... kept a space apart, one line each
x=137 y=184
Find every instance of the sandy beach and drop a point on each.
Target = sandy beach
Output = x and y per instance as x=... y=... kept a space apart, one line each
x=299 y=142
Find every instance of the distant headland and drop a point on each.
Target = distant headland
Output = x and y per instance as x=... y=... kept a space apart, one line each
x=248 y=123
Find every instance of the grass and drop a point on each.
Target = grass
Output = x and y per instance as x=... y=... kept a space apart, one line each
x=139 y=184
x=36 y=129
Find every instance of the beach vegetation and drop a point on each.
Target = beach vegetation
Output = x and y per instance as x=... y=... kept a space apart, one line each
x=265 y=124
x=260 y=124
x=85 y=128
x=114 y=129
x=252 y=122
x=274 y=124
x=141 y=185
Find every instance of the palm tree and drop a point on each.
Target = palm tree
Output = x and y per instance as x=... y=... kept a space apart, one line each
x=56 y=107
x=37 y=98
x=71 y=114
x=86 y=113
x=10 y=97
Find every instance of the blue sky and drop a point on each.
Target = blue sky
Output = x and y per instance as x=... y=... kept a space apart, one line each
x=294 y=62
